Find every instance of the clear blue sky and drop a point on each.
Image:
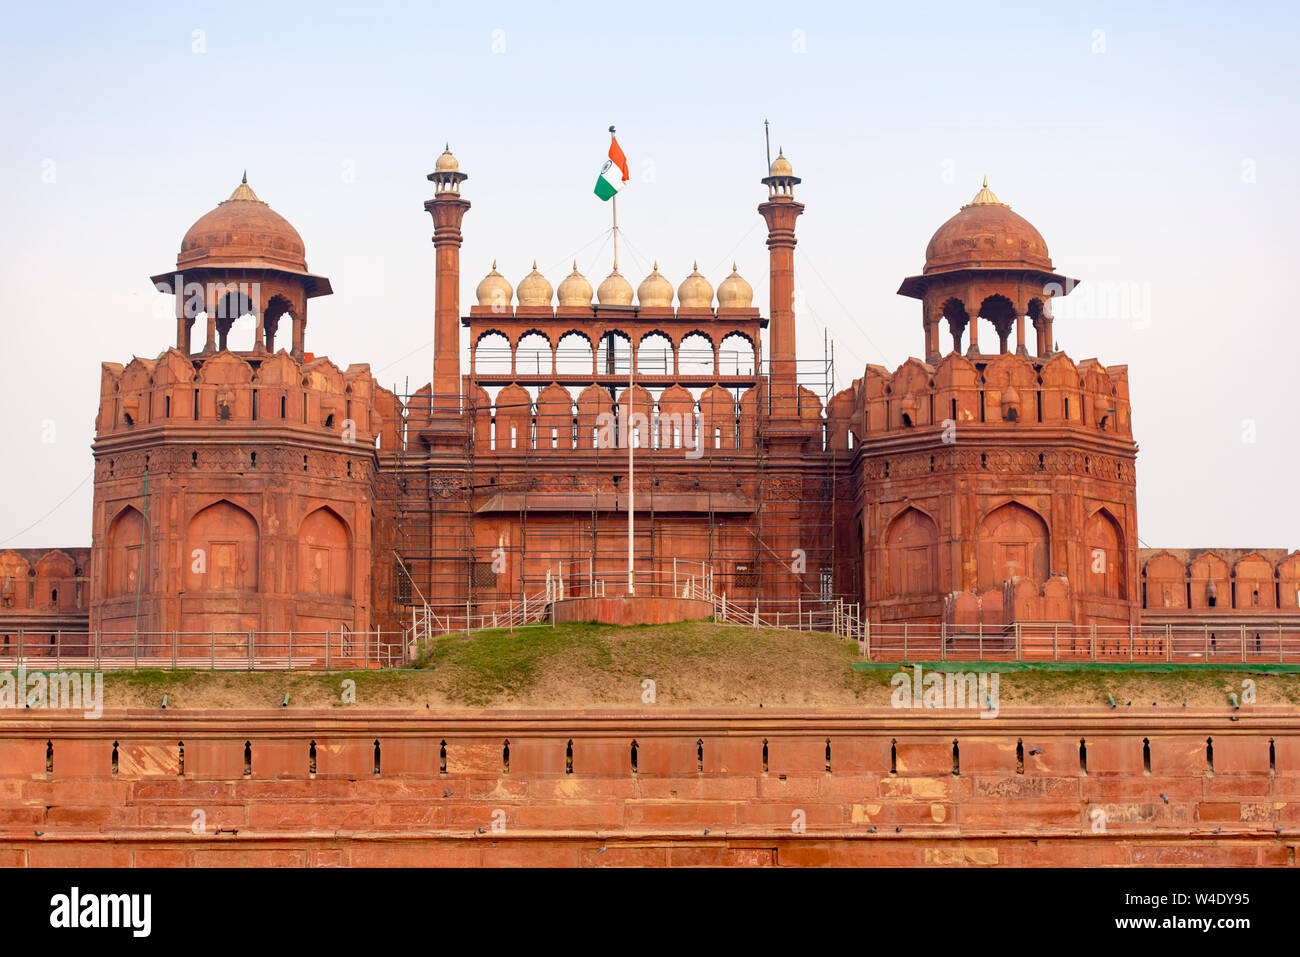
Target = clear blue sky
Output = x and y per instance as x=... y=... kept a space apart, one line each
x=1157 y=156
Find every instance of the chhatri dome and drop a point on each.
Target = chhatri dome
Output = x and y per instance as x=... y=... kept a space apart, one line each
x=695 y=292
x=985 y=233
x=734 y=292
x=655 y=290
x=780 y=165
x=494 y=289
x=243 y=231
x=533 y=289
x=615 y=290
x=574 y=289
x=446 y=162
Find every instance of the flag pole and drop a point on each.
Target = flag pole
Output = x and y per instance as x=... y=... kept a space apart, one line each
x=614 y=200
x=631 y=443
x=629 y=431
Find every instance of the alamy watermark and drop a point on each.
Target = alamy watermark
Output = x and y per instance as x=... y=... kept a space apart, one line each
x=946 y=689
x=65 y=690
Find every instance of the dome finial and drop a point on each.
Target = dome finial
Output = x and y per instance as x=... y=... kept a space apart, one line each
x=986 y=196
x=245 y=179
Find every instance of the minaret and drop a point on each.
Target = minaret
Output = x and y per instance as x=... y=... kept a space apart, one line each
x=781 y=211
x=447 y=209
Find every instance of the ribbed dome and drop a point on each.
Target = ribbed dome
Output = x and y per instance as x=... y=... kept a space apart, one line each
x=734 y=292
x=446 y=162
x=655 y=290
x=574 y=289
x=243 y=230
x=780 y=165
x=695 y=292
x=986 y=233
x=615 y=290
x=534 y=290
x=494 y=289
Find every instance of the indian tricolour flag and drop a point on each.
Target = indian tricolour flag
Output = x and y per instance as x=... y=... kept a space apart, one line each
x=614 y=174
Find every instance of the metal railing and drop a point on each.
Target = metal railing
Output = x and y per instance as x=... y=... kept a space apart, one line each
x=209 y=650
x=1275 y=643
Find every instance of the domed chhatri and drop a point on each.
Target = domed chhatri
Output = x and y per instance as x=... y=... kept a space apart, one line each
x=695 y=292
x=986 y=233
x=534 y=290
x=655 y=291
x=494 y=289
x=574 y=289
x=243 y=230
x=734 y=292
x=615 y=290
x=446 y=162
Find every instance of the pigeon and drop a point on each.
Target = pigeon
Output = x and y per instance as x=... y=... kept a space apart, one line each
x=1035 y=750
x=707 y=830
x=873 y=829
x=446 y=792
x=1165 y=798
x=1217 y=830
x=42 y=833
x=482 y=830
x=601 y=850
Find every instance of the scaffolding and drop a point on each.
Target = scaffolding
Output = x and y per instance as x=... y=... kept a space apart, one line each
x=520 y=514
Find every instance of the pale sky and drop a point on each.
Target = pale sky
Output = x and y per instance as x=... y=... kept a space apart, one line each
x=1156 y=151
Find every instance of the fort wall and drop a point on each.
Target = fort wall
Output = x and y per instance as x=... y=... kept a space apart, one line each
x=606 y=788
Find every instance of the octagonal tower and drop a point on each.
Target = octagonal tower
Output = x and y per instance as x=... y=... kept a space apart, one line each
x=998 y=487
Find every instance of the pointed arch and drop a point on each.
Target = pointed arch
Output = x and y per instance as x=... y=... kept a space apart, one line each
x=912 y=554
x=125 y=551
x=221 y=549
x=1103 y=559
x=325 y=555
x=1012 y=541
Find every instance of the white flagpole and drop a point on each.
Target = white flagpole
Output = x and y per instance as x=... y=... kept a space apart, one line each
x=629 y=431
x=631 y=442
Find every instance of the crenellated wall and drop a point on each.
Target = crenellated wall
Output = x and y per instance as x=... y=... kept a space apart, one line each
x=1219 y=581
x=233 y=493
x=979 y=471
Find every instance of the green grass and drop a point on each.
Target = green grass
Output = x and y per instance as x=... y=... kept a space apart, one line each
x=693 y=664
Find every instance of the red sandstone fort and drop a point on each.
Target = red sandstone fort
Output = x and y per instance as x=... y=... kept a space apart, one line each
x=257 y=506
x=245 y=487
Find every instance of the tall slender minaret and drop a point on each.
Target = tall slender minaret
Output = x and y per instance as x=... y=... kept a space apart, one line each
x=781 y=211
x=447 y=209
